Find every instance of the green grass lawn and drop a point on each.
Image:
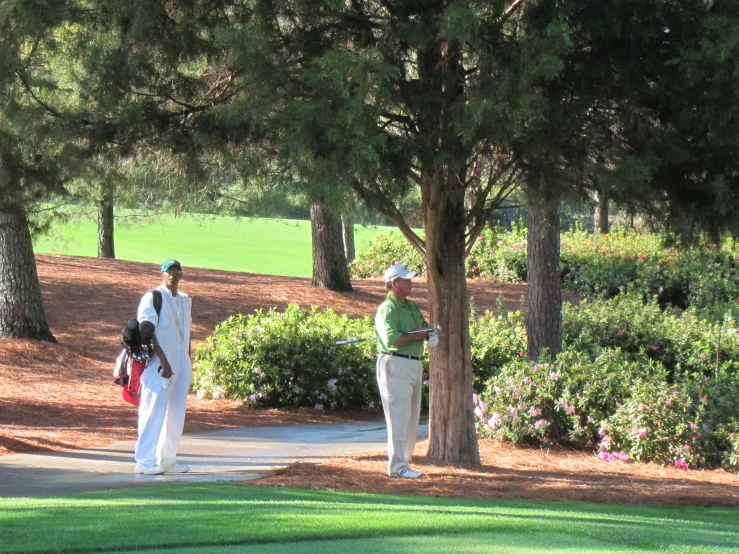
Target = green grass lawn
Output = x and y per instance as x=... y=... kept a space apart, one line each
x=229 y=518
x=269 y=246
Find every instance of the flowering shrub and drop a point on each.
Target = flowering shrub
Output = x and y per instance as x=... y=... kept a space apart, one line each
x=657 y=422
x=384 y=251
x=289 y=358
x=495 y=340
x=596 y=265
x=529 y=401
x=681 y=342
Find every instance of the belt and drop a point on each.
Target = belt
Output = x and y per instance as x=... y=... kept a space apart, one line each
x=399 y=355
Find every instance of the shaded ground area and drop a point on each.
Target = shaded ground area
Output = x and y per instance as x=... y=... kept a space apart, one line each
x=520 y=473
x=59 y=397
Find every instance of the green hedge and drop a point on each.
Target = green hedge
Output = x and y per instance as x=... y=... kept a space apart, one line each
x=594 y=265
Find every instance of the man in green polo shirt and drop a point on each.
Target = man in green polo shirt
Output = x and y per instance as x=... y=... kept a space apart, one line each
x=401 y=332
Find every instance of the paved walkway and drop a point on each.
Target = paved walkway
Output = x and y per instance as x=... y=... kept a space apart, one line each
x=234 y=454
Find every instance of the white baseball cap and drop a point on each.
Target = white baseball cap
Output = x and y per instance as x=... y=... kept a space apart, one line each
x=398 y=271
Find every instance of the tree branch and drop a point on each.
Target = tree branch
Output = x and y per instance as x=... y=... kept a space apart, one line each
x=379 y=201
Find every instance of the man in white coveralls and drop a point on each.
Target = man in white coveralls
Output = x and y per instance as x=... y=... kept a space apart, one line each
x=166 y=380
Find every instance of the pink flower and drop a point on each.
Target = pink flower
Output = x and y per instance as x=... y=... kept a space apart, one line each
x=704 y=398
x=534 y=412
x=539 y=423
x=621 y=331
x=622 y=456
x=553 y=376
x=653 y=348
x=693 y=425
x=706 y=378
x=474 y=398
x=679 y=464
x=606 y=456
x=522 y=354
x=494 y=420
x=641 y=407
x=668 y=401
x=332 y=383
x=478 y=413
x=642 y=433
x=483 y=406
x=569 y=410
x=319 y=407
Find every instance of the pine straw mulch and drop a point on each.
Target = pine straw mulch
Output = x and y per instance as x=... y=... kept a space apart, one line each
x=519 y=474
x=61 y=396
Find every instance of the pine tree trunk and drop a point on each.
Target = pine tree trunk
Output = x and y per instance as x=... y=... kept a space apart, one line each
x=347 y=231
x=22 y=314
x=452 y=433
x=600 y=217
x=106 y=226
x=544 y=298
x=330 y=270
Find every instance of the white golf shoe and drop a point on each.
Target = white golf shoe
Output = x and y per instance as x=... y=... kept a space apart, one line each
x=153 y=470
x=408 y=473
x=176 y=467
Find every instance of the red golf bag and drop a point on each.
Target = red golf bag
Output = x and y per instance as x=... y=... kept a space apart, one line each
x=138 y=347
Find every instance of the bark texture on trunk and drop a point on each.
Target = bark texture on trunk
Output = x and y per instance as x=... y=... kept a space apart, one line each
x=106 y=227
x=347 y=231
x=452 y=433
x=22 y=314
x=544 y=298
x=600 y=217
x=330 y=270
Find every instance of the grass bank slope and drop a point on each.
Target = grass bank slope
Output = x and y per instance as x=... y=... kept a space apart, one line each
x=254 y=245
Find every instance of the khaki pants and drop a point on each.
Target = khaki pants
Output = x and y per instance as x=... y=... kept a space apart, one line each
x=400 y=382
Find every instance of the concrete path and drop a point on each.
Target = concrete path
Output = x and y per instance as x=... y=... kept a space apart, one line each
x=235 y=454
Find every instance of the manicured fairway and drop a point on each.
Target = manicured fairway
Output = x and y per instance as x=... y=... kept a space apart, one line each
x=269 y=246
x=228 y=518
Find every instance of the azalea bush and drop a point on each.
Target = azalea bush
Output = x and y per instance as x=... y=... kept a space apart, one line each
x=289 y=359
x=384 y=251
x=682 y=342
x=602 y=266
x=568 y=398
x=634 y=382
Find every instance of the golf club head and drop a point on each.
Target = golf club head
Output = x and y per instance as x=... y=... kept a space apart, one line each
x=439 y=331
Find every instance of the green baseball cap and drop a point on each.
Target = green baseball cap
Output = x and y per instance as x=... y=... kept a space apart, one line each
x=169 y=264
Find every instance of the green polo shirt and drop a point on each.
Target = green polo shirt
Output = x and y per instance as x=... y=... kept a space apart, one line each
x=395 y=318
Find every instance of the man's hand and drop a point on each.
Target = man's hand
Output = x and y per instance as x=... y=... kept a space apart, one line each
x=433 y=339
x=165 y=372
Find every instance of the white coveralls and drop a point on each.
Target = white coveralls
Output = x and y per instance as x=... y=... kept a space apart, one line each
x=162 y=410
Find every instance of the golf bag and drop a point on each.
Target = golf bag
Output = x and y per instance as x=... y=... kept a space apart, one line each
x=138 y=347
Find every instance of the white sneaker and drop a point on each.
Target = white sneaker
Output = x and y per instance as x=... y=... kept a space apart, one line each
x=153 y=470
x=408 y=473
x=176 y=467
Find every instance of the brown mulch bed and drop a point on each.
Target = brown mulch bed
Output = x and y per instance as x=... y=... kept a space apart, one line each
x=520 y=474
x=61 y=396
